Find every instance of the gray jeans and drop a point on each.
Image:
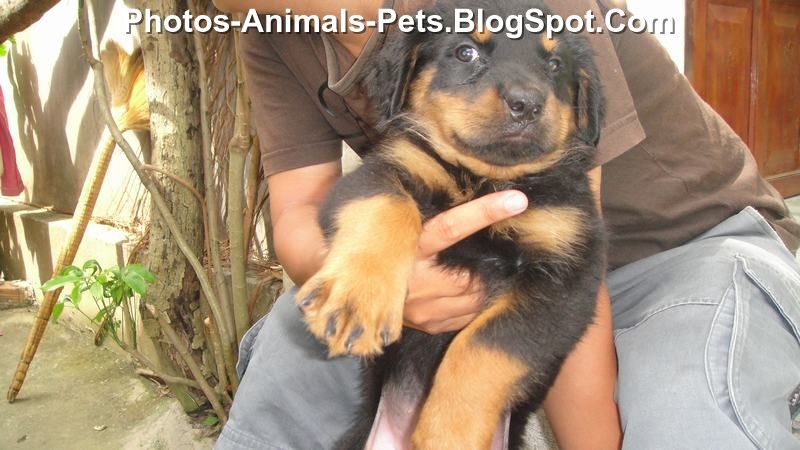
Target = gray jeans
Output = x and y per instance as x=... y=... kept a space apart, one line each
x=707 y=336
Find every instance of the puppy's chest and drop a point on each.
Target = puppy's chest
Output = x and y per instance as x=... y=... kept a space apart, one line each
x=555 y=225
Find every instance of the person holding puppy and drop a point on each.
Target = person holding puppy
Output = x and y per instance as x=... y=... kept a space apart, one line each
x=695 y=337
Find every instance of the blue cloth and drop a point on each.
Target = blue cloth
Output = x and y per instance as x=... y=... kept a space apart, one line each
x=707 y=336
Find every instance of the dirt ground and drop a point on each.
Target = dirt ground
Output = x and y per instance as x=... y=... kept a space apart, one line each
x=78 y=396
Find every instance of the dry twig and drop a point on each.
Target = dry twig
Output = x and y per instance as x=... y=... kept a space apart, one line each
x=211 y=215
x=197 y=373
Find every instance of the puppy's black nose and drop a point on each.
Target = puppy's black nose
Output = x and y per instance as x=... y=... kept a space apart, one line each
x=523 y=104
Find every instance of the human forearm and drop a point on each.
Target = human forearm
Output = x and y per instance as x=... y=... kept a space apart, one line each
x=295 y=196
x=299 y=243
x=580 y=405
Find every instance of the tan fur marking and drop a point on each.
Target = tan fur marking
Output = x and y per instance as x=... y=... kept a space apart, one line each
x=469 y=118
x=583 y=99
x=439 y=114
x=472 y=388
x=481 y=37
x=466 y=119
x=549 y=44
x=493 y=172
x=419 y=88
x=596 y=182
x=489 y=104
x=364 y=278
x=562 y=117
x=423 y=167
x=556 y=230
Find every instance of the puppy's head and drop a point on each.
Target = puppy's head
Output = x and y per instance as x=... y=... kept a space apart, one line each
x=497 y=105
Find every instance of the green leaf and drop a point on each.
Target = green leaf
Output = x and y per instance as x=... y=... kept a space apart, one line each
x=3 y=50
x=148 y=276
x=92 y=265
x=96 y=289
x=136 y=282
x=72 y=270
x=117 y=291
x=60 y=281
x=58 y=308
x=12 y=39
x=75 y=295
x=141 y=271
x=210 y=421
x=98 y=318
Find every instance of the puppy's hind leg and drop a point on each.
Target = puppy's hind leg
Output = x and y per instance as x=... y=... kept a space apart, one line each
x=507 y=357
x=474 y=385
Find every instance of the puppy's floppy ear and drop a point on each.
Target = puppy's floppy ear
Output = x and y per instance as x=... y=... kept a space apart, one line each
x=589 y=102
x=392 y=69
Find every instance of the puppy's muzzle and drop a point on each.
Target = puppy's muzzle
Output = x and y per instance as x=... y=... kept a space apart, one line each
x=524 y=103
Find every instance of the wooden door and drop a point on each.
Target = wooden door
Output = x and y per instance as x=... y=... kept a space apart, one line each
x=743 y=58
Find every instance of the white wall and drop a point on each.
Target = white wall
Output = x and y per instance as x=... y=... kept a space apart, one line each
x=53 y=119
x=661 y=9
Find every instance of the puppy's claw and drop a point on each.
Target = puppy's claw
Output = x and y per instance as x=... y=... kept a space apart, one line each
x=309 y=299
x=354 y=335
x=386 y=338
x=330 y=330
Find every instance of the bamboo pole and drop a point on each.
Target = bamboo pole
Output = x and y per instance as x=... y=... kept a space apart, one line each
x=213 y=208
x=250 y=216
x=237 y=153
x=126 y=76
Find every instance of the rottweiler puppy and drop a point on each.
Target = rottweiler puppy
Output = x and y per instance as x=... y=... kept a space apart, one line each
x=465 y=115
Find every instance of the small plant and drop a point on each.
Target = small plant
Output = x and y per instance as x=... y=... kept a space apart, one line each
x=113 y=292
x=5 y=46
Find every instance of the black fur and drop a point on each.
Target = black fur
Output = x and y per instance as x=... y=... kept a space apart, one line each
x=555 y=293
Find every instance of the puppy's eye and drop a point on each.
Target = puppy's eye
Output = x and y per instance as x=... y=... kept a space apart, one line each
x=554 y=64
x=467 y=53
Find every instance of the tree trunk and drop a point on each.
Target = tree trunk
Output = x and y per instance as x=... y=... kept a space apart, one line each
x=171 y=80
x=16 y=15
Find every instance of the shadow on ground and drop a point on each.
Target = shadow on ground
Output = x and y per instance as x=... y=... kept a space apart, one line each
x=74 y=389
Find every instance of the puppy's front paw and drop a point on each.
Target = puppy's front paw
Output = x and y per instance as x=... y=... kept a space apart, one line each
x=355 y=302
x=355 y=312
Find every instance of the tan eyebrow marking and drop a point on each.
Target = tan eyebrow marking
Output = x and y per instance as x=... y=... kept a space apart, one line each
x=549 y=44
x=481 y=37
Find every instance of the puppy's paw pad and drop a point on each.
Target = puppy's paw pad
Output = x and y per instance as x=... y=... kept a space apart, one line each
x=353 y=316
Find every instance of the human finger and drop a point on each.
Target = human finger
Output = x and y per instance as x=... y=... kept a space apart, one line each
x=455 y=224
x=429 y=280
x=424 y=314
x=452 y=324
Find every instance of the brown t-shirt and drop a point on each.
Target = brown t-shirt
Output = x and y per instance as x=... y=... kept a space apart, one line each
x=672 y=168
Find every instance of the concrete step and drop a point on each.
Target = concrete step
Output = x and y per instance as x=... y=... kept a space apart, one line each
x=31 y=239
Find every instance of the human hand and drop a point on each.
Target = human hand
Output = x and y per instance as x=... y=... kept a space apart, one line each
x=439 y=300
